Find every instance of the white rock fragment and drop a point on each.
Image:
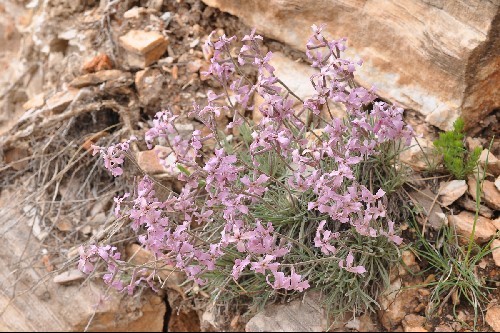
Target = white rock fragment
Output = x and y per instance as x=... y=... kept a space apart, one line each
x=451 y=191
x=69 y=276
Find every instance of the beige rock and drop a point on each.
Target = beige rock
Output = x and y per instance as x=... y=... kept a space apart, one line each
x=137 y=255
x=396 y=303
x=451 y=191
x=58 y=102
x=495 y=248
x=414 y=323
x=36 y=102
x=496 y=223
x=363 y=323
x=98 y=63
x=424 y=200
x=443 y=328
x=491 y=195
x=149 y=85
x=193 y=66
x=420 y=154
x=493 y=165
x=149 y=161
x=472 y=143
x=143 y=47
x=493 y=317
x=93 y=79
x=69 y=276
x=470 y=205
x=434 y=57
x=464 y=222
x=497 y=183
x=134 y=12
x=50 y=306
x=297 y=316
x=18 y=156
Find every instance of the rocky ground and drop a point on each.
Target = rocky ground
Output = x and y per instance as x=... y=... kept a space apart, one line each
x=87 y=71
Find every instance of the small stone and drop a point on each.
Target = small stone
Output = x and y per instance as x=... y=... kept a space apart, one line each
x=424 y=200
x=149 y=85
x=64 y=225
x=58 y=102
x=491 y=195
x=18 y=156
x=98 y=63
x=495 y=251
x=496 y=223
x=396 y=303
x=473 y=143
x=414 y=323
x=464 y=222
x=34 y=103
x=69 y=276
x=493 y=317
x=497 y=183
x=93 y=79
x=451 y=191
x=443 y=328
x=419 y=155
x=137 y=255
x=193 y=66
x=149 y=160
x=304 y=315
x=363 y=323
x=134 y=12
x=493 y=165
x=470 y=205
x=143 y=47
x=195 y=42
x=175 y=72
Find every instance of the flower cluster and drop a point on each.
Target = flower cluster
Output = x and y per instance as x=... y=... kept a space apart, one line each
x=215 y=217
x=114 y=155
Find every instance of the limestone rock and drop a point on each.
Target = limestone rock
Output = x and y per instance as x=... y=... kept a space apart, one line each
x=93 y=79
x=435 y=57
x=497 y=183
x=396 y=303
x=296 y=77
x=296 y=316
x=143 y=47
x=54 y=307
x=470 y=205
x=99 y=63
x=36 y=102
x=496 y=223
x=149 y=85
x=149 y=160
x=140 y=256
x=419 y=155
x=451 y=191
x=493 y=317
x=490 y=193
x=493 y=162
x=464 y=222
x=434 y=213
x=414 y=323
x=58 y=102
x=495 y=248
x=69 y=276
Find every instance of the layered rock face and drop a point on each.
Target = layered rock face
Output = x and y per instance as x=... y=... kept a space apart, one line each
x=434 y=56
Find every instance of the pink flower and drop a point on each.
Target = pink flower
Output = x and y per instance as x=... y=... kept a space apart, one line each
x=348 y=265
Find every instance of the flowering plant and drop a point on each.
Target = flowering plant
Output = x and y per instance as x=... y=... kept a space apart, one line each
x=294 y=202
